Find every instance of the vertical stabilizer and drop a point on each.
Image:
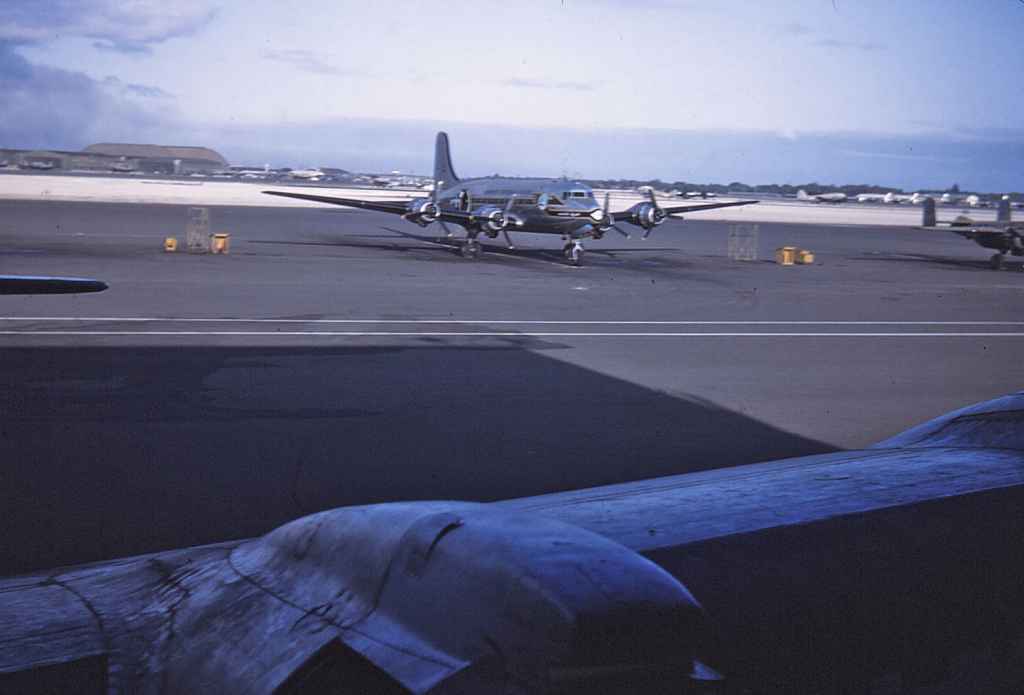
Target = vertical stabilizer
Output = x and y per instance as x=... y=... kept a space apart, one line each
x=444 y=174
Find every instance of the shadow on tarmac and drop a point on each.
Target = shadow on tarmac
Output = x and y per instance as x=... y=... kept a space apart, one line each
x=118 y=451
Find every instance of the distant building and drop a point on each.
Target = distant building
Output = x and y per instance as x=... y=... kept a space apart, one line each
x=122 y=158
x=169 y=159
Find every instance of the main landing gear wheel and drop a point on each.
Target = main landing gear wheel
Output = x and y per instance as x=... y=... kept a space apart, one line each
x=470 y=249
x=573 y=252
x=996 y=261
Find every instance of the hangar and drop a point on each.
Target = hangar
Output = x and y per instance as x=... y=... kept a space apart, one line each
x=121 y=157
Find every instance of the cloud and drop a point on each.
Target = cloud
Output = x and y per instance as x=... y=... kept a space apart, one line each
x=907 y=156
x=795 y=29
x=548 y=84
x=46 y=107
x=306 y=60
x=130 y=89
x=128 y=27
x=868 y=46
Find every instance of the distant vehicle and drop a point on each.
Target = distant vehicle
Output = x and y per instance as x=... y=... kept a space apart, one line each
x=496 y=205
x=821 y=197
x=41 y=165
x=974 y=201
x=697 y=194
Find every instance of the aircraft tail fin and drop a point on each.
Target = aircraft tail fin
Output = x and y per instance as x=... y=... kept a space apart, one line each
x=444 y=174
x=802 y=195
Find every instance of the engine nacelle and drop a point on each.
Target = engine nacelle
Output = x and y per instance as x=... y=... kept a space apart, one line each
x=647 y=216
x=491 y=219
x=422 y=211
x=445 y=597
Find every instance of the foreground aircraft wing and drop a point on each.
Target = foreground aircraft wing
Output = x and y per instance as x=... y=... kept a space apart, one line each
x=826 y=573
x=28 y=284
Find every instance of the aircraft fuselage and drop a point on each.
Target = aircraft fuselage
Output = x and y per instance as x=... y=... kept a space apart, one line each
x=542 y=206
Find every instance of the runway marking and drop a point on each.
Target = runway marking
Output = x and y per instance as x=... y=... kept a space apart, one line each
x=481 y=322
x=527 y=334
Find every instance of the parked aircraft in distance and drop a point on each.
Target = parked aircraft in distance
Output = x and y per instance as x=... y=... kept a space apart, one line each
x=889 y=198
x=1002 y=241
x=821 y=197
x=306 y=174
x=496 y=205
x=877 y=570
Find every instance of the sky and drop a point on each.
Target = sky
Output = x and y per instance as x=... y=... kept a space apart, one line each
x=915 y=94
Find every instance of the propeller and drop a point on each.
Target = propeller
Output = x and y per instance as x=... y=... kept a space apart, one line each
x=657 y=215
x=609 y=220
x=510 y=218
x=434 y=197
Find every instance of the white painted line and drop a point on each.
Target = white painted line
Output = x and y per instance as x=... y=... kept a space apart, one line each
x=531 y=322
x=528 y=334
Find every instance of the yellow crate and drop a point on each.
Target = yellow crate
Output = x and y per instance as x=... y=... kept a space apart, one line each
x=804 y=257
x=219 y=243
x=170 y=244
x=785 y=255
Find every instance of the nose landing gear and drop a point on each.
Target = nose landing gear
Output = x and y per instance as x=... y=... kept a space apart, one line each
x=573 y=252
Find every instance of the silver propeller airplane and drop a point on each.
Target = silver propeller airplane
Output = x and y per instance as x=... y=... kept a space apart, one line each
x=496 y=205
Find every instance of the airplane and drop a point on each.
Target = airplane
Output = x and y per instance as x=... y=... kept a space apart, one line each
x=493 y=206
x=1003 y=241
x=821 y=197
x=877 y=570
x=887 y=198
x=306 y=174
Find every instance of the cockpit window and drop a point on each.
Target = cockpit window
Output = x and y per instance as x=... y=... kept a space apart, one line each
x=548 y=199
x=580 y=194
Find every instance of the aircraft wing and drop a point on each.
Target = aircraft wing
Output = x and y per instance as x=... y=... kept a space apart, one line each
x=681 y=209
x=28 y=284
x=625 y=215
x=808 y=574
x=397 y=207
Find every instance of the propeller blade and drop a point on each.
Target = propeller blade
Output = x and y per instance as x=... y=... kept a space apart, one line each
x=647 y=232
x=508 y=240
x=619 y=229
x=607 y=202
x=654 y=200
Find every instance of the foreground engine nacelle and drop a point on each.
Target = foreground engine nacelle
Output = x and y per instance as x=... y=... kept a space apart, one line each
x=422 y=211
x=438 y=597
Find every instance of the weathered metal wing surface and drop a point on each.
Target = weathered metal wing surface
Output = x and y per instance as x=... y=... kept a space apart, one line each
x=823 y=573
x=859 y=567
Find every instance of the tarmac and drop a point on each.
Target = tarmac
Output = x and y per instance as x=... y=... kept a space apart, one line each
x=339 y=357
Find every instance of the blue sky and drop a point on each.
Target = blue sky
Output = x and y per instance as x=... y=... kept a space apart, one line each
x=916 y=93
